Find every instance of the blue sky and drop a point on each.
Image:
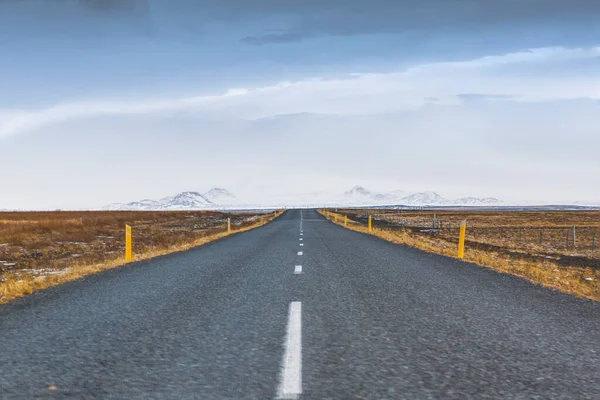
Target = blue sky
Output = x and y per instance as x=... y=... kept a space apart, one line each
x=464 y=97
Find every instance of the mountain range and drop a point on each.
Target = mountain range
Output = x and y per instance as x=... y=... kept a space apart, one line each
x=399 y=197
x=214 y=198
x=219 y=198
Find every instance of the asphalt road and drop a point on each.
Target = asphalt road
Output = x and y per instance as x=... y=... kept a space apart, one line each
x=248 y=317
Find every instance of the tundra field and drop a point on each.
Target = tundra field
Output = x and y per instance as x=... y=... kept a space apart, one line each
x=559 y=249
x=40 y=249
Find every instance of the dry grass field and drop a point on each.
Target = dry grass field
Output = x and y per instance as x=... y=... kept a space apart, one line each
x=558 y=249
x=41 y=249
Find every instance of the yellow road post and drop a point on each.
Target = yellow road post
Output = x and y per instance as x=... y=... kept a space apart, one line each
x=461 y=239
x=345 y=220
x=228 y=225
x=370 y=224
x=127 y=243
x=335 y=217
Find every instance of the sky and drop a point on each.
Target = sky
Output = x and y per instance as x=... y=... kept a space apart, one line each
x=105 y=101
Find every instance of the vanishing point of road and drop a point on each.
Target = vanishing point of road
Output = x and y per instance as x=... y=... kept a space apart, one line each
x=300 y=309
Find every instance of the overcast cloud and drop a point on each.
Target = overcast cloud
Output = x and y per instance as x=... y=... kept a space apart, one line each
x=116 y=101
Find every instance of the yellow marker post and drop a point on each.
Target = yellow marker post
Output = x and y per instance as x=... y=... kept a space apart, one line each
x=335 y=217
x=370 y=224
x=345 y=220
x=228 y=225
x=127 y=243
x=461 y=239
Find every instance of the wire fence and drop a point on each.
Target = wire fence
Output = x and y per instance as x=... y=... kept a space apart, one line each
x=572 y=244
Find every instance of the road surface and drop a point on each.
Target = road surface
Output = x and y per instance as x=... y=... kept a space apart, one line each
x=300 y=308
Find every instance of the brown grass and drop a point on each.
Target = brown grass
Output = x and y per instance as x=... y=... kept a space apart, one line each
x=579 y=280
x=40 y=250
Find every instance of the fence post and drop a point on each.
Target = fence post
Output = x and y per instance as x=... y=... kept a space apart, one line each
x=594 y=242
x=541 y=237
x=567 y=244
x=461 y=239
x=574 y=241
x=127 y=243
x=228 y=225
x=370 y=224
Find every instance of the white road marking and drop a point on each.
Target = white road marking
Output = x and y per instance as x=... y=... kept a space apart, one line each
x=290 y=380
x=301 y=234
x=298 y=269
x=300 y=253
x=301 y=244
x=300 y=239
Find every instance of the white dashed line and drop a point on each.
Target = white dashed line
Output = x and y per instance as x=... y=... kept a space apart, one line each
x=300 y=253
x=290 y=381
x=298 y=269
x=300 y=239
x=301 y=244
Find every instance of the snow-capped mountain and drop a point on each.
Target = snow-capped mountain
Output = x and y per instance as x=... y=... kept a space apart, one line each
x=145 y=204
x=359 y=195
x=220 y=196
x=181 y=201
x=186 y=201
x=424 y=199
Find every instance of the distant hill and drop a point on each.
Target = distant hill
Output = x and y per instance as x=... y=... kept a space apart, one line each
x=181 y=201
x=219 y=196
x=359 y=195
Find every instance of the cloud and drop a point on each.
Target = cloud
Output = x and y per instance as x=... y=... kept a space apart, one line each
x=510 y=150
x=354 y=94
x=474 y=97
x=424 y=18
x=103 y=6
x=317 y=18
x=286 y=37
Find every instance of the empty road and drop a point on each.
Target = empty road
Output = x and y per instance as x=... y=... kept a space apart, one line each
x=300 y=308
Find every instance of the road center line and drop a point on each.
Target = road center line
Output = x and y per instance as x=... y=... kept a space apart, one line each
x=300 y=239
x=290 y=380
x=298 y=269
x=300 y=253
x=301 y=244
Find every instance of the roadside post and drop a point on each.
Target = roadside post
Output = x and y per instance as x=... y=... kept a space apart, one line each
x=461 y=239
x=127 y=243
x=345 y=220
x=228 y=225
x=370 y=224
